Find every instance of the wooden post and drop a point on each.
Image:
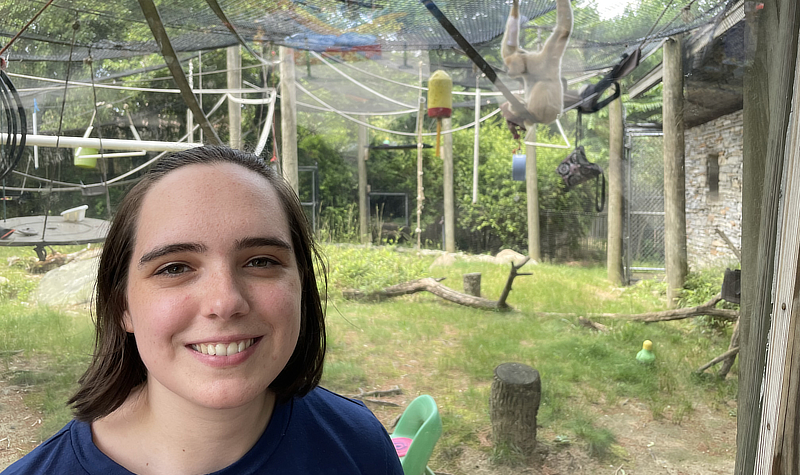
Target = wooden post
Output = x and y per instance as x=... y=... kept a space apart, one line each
x=615 y=204
x=674 y=171
x=779 y=432
x=234 y=57
x=189 y=115
x=476 y=140
x=363 y=212
x=288 y=118
x=769 y=90
x=420 y=182
x=472 y=284
x=514 y=404
x=532 y=194
x=763 y=47
x=449 y=194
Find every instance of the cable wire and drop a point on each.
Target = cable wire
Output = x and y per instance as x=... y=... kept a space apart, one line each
x=395 y=132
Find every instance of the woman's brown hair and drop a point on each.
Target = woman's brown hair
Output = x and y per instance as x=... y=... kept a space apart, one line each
x=116 y=368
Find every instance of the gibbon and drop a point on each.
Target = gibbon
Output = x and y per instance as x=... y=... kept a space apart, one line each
x=540 y=70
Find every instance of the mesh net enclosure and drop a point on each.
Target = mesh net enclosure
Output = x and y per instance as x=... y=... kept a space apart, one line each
x=345 y=49
x=82 y=63
x=601 y=33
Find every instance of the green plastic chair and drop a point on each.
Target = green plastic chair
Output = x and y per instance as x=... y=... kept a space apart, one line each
x=416 y=434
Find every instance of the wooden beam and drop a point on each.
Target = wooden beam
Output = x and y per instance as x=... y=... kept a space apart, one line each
x=615 y=192
x=532 y=194
x=171 y=59
x=289 y=118
x=234 y=62
x=363 y=211
x=449 y=193
x=731 y=19
x=772 y=53
x=674 y=171
x=649 y=81
x=782 y=347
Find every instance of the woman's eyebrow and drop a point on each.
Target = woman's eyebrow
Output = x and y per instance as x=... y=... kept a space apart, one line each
x=170 y=249
x=262 y=242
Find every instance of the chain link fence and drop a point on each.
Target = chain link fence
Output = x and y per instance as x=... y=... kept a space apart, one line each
x=568 y=236
x=644 y=202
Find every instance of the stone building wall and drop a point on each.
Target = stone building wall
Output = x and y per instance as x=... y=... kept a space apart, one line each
x=714 y=154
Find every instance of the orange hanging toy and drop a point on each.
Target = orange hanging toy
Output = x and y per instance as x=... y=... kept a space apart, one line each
x=440 y=101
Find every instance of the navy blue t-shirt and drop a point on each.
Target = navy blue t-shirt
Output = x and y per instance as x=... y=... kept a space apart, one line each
x=321 y=434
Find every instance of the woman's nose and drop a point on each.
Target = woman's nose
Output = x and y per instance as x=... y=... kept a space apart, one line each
x=223 y=294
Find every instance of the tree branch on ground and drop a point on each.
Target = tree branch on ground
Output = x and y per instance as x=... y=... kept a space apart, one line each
x=708 y=309
x=730 y=353
x=599 y=327
x=388 y=392
x=429 y=284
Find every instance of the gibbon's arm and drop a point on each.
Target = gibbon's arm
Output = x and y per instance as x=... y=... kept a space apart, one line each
x=556 y=44
x=509 y=49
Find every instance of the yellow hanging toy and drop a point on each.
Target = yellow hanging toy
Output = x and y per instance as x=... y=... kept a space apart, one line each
x=440 y=101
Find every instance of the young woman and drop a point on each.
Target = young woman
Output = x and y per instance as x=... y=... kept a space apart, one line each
x=210 y=338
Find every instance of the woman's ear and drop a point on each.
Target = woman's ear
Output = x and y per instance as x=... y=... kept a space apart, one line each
x=127 y=323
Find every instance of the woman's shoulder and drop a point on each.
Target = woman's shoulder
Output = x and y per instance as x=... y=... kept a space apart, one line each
x=329 y=406
x=55 y=455
x=345 y=435
x=71 y=450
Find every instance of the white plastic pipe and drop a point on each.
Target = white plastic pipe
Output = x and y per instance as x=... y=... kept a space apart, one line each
x=110 y=144
x=35 y=149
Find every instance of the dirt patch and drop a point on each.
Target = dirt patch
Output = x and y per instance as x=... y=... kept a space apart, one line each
x=704 y=443
x=19 y=424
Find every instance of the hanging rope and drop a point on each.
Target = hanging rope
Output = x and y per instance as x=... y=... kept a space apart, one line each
x=16 y=124
x=361 y=85
x=16 y=120
x=399 y=83
x=103 y=164
x=329 y=108
x=76 y=25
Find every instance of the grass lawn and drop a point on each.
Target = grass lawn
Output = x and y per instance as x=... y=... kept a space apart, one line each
x=425 y=345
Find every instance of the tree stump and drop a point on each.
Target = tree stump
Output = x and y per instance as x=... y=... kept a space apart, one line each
x=514 y=404
x=472 y=284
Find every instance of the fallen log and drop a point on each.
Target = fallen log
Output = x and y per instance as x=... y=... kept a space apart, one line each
x=726 y=355
x=429 y=284
x=728 y=364
x=708 y=309
x=364 y=396
x=598 y=327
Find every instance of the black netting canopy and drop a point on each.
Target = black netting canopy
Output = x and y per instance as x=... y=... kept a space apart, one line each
x=352 y=56
x=602 y=30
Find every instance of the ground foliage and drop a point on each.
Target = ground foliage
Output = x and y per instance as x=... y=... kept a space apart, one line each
x=429 y=346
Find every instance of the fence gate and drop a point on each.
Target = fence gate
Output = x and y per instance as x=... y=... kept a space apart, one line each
x=644 y=202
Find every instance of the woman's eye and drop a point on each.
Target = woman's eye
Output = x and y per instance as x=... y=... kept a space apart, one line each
x=261 y=262
x=173 y=269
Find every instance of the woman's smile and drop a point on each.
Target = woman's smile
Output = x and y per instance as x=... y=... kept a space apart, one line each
x=223 y=349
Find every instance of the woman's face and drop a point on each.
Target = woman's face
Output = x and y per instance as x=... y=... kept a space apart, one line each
x=214 y=291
